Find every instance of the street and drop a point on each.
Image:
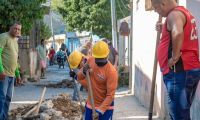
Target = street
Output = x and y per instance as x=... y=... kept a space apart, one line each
x=127 y=106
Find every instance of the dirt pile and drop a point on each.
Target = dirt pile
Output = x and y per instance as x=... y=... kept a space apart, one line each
x=59 y=108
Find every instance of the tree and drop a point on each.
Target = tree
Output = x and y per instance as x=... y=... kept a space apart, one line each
x=45 y=31
x=84 y=15
x=25 y=11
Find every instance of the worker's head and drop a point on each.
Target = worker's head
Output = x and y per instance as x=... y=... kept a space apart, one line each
x=107 y=41
x=100 y=52
x=76 y=60
x=163 y=7
x=15 y=29
x=42 y=41
x=84 y=51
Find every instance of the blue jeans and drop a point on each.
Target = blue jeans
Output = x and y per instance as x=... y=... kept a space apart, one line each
x=6 y=92
x=106 y=116
x=181 y=88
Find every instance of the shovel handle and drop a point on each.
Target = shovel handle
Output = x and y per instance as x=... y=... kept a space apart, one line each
x=154 y=75
x=91 y=94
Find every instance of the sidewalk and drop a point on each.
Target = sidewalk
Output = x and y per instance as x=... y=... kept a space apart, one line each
x=127 y=107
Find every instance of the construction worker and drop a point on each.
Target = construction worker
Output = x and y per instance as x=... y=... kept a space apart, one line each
x=178 y=58
x=76 y=61
x=104 y=80
x=8 y=67
x=113 y=55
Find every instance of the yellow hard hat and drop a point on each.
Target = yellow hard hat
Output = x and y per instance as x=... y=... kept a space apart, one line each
x=100 y=50
x=75 y=59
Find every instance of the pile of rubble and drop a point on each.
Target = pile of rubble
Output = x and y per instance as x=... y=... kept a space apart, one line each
x=59 y=108
x=63 y=84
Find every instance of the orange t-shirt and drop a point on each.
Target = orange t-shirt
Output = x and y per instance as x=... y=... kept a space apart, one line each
x=104 y=82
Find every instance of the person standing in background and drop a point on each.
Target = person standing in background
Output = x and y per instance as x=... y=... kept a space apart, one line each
x=8 y=67
x=42 y=52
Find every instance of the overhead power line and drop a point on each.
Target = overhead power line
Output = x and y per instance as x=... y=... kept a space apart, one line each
x=120 y=9
x=124 y=5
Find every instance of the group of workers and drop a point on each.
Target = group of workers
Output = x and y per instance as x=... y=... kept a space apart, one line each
x=100 y=71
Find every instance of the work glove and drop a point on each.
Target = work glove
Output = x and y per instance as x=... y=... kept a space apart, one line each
x=72 y=74
x=86 y=67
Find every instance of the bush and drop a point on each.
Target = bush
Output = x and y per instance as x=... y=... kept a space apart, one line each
x=123 y=77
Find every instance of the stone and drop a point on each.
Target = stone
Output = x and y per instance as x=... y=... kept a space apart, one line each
x=44 y=116
x=46 y=105
x=53 y=112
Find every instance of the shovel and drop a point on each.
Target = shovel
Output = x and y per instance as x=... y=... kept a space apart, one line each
x=154 y=76
x=94 y=114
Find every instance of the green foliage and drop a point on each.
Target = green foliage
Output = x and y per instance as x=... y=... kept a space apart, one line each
x=123 y=79
x=25 y=11
x=84 y=15
x=57 y=3
x=45 y=31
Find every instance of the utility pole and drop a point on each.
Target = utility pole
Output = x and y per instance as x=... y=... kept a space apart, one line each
x=114 y=26
x=131 y=82
x=52 y=32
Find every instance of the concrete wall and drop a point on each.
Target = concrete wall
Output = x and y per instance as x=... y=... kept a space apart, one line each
x=34 y=65
x=144 y=40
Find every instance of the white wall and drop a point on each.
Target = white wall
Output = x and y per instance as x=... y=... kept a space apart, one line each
x=144 y=40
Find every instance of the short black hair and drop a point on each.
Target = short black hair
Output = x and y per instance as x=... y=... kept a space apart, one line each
x=42 y=40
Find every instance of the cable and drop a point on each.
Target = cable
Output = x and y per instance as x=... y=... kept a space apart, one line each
x=120 y=9
x=124 y=5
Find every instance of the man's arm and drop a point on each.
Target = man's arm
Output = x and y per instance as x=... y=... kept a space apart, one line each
x=175 y=24
x=116 y=58
x=81 y=78
x=17 y=73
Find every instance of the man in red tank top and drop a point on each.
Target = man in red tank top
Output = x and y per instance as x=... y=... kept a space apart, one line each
x=177 y=54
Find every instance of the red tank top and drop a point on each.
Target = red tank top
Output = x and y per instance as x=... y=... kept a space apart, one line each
x=189 y=58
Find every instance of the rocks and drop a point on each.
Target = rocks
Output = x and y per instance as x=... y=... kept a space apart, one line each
x=58 y=108
x=46 y=105
x=44 y=116
x=53 y=112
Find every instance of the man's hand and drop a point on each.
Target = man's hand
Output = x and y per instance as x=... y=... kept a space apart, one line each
x=18 y=81
x=159 y=26
x=171 y=62
x=2 y=76
x=116 y=67
x=86 y=67
x=72 y=74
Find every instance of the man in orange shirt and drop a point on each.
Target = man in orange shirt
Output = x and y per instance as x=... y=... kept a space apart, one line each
x=104 y=79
